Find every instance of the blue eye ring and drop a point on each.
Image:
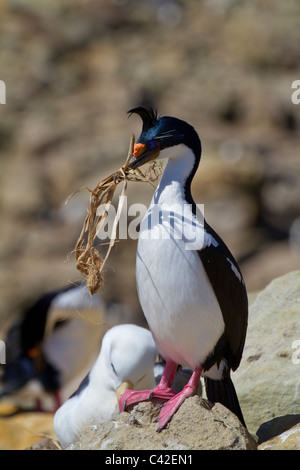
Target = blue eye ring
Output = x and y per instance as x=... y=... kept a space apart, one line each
x=152 y=144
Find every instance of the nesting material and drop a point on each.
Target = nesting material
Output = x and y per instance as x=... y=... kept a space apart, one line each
x=88 y=259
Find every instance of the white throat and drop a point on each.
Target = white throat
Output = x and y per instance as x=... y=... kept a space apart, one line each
x=181 y=160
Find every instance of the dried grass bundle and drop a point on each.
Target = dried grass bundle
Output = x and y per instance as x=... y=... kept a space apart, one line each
x=88 y=259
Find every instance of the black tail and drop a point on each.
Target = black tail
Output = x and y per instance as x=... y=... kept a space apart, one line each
x=223 y=391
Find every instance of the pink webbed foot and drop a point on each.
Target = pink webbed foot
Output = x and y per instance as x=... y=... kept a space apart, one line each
x=162 y=390
x=132 y=396
x=169 y=409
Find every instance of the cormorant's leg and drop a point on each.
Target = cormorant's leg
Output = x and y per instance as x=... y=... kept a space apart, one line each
x=171 y=406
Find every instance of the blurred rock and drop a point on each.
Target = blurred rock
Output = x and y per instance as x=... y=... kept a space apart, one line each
x=64 y=124
x=267 y=381
x=289 y=440
x=269 y=261
x=45 y=444
x=17 y=432
x=281 y=196
x=277 y=427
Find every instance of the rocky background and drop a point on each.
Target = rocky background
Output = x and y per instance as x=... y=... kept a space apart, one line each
x=73 y=69
x=267 y=384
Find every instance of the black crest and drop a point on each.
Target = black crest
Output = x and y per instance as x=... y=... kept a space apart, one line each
x=147 y=114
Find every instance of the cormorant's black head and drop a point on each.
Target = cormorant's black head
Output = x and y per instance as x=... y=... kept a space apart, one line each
x=160 y=133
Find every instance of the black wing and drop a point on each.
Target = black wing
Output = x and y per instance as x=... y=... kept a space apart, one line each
x=230 y=290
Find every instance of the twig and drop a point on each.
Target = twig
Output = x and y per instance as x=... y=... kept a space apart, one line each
x=88 y=260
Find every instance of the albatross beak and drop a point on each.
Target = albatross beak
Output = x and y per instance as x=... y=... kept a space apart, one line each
x=142 y=154
x=122 y=388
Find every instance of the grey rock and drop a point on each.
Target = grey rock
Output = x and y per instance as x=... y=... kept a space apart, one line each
x=196 y=425
x=276 y=427
x=45 y=444
x=267 y=381
x=288 y=440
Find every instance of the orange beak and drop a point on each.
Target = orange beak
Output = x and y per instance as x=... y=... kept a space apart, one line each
x=141 y=155
x=138 y=149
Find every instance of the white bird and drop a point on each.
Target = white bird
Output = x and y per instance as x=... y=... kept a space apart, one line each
x=126 y=360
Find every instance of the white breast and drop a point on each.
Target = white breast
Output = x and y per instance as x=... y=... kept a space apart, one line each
x=175 y=293
x=174 y=290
